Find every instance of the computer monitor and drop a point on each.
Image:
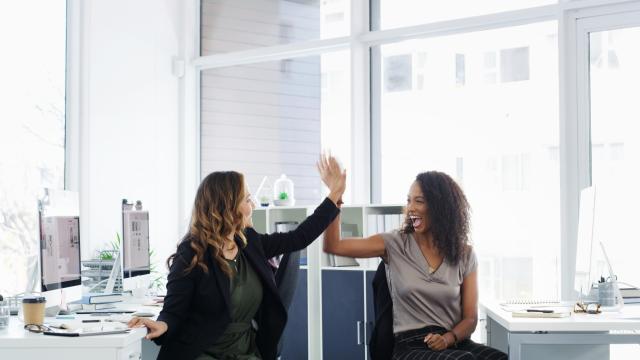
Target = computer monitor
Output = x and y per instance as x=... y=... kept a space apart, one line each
x=135 y=241
x=59 y=253
x=584 y=272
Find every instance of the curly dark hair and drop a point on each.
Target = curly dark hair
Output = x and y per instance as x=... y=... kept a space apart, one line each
x=448 y=212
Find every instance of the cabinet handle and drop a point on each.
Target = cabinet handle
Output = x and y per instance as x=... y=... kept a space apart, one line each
x=358 y=342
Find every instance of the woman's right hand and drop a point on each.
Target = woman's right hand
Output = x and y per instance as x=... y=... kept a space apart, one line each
x=333 y=176
x=154 y=328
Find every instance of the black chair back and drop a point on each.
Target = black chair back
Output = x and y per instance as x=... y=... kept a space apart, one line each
x=381 y=343
x=286 y=276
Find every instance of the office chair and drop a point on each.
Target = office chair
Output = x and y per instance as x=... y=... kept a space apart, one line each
x=381 y=342
x=287 y=281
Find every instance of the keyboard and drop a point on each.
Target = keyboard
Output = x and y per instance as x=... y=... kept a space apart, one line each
x=120 y=318
x=536 y=303
x=530 y=302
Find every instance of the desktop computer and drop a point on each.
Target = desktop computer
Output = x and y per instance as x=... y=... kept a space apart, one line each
x=59 y=253
x=136 y=262
x=584 y=269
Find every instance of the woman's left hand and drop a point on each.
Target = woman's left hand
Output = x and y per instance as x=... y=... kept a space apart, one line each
x=333 y=176
x=436 y=342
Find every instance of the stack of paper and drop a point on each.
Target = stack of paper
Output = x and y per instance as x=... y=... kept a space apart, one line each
x=538 y=314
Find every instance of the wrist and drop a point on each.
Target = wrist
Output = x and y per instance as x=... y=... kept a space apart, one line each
x=447 y=343
x=336 y=198
x=454 y=337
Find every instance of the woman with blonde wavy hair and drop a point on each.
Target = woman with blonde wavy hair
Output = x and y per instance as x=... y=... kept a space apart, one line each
x=222 y=302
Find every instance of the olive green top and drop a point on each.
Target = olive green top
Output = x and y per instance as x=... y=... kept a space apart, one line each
x=238 y=340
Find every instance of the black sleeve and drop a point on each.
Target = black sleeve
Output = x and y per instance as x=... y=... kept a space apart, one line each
x=309 y=230
x=180 y=289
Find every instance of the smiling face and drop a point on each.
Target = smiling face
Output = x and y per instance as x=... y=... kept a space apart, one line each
x=246 y=207
x=417 y=209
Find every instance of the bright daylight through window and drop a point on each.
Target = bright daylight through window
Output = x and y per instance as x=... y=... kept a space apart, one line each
x=32 y=129
x=483 y=107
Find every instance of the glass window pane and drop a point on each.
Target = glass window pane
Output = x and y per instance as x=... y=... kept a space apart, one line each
x=615 y=147
x=274 y=118
x=486 y=112
x=399 y=13
x=232 y=25
x=32 y=130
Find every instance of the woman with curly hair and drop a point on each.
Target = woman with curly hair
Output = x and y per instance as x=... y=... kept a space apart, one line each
x=431 y=272
x=222 y=302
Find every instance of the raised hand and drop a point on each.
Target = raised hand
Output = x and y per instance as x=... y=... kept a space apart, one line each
x=333 y=176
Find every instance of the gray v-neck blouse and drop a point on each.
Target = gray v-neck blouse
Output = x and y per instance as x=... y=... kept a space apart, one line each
x=421 y=298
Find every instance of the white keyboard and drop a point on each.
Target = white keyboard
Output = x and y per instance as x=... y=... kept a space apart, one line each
x=121 y=318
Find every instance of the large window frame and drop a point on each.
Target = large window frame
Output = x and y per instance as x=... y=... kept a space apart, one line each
x=574 y=140
x=70 y=166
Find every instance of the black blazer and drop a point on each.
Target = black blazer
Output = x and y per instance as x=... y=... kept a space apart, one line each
x=196 y=308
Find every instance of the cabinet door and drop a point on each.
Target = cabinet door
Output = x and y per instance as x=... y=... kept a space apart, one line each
x=343 y=315
x=295 y=339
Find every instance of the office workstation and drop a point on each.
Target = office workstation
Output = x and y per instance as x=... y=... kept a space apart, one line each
x=528 y=106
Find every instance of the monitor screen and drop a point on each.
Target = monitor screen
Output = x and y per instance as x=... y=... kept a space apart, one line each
x=584 y=245
x=59 y=251
x=135 y=243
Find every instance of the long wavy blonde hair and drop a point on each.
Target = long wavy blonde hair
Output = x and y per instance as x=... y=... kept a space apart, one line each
x=216 y=216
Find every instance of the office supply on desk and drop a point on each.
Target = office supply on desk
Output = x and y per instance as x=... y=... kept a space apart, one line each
x=630 y=292
x=94 y=332
x=540 y=310
x=143 y=314
x=121 y=318
x=537 y=302
x=540 y=314
x=93 y=298
x=105 y=312
x=96 y=307
x=609 y=295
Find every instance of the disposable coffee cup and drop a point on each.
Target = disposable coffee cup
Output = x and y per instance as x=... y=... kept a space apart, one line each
x=33 y=310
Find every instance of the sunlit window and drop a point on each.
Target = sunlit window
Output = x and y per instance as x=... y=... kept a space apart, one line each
x=483 y=107
x=32 y=129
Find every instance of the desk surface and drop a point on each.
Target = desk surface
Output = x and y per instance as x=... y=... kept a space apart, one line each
x=627 y=319
x=15 y=336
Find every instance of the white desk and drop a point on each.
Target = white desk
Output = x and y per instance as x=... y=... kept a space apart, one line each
x=580 y=336
x=17 y=343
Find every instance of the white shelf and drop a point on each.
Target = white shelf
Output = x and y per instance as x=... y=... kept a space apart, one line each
x=318 y=261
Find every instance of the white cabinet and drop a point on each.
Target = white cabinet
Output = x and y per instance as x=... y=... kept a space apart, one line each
x=328 y=282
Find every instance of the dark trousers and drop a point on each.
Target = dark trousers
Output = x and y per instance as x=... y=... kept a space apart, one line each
x=409 y=345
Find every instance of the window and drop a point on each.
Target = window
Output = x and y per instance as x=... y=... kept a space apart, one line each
x=274 y=118
x=493 y=138
x=614 y=147
x=231 y=25
x=472 y=87
x=514 y=64
x=398 y=13
x=32 y=130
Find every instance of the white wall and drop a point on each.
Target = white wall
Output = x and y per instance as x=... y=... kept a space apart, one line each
x=130 y=106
